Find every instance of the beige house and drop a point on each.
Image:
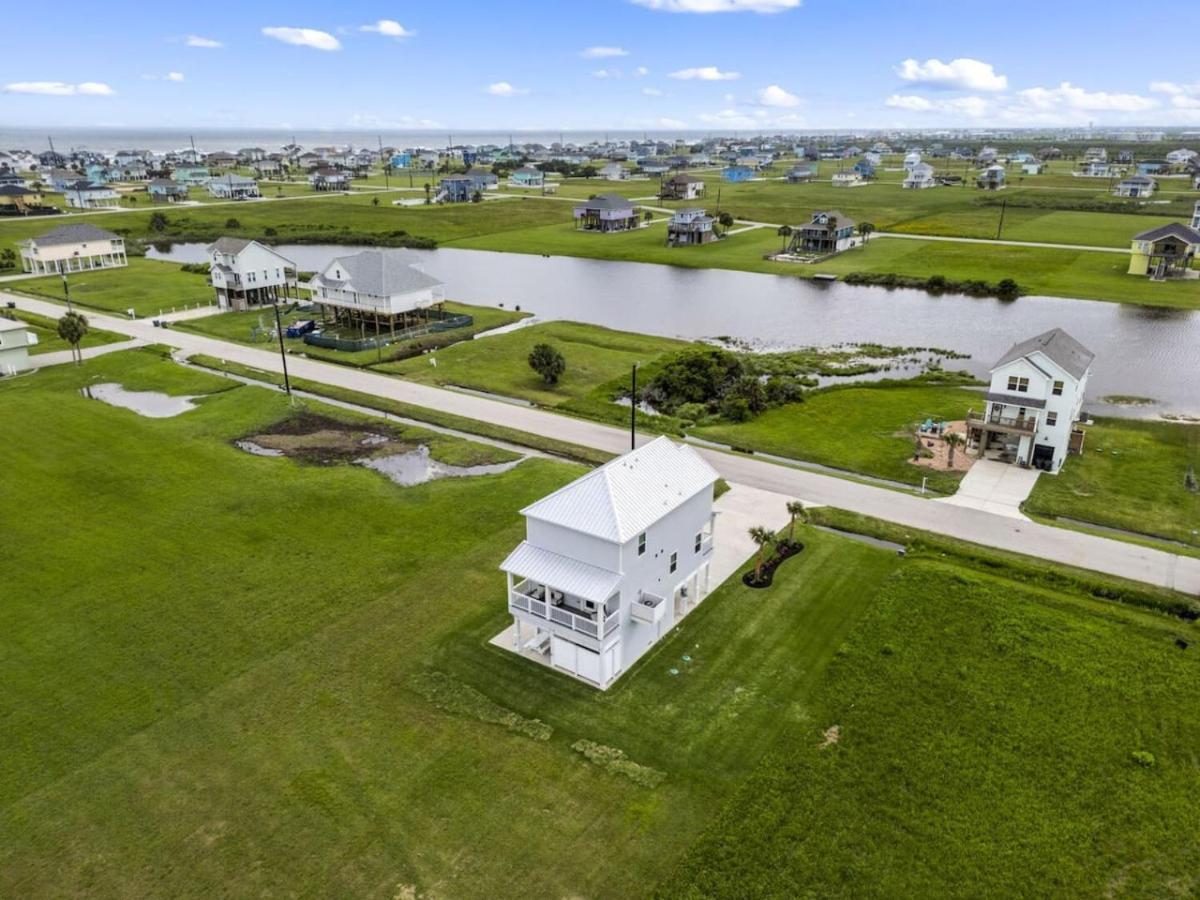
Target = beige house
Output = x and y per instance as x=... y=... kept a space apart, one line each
x=72 y=248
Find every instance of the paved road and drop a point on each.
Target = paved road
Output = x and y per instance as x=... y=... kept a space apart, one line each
x=1001 y=243
x=1042 y=541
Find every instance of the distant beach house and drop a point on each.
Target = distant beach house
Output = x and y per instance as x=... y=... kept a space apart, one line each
x=991 y=179
x=1181 y=157
x=1165 y=252
x=690 y=226
x=15 y=340
x=455 y=189
x=327 y=179
x=613 y=561
x=865 y=169
x=86 y=195
x=736 y=174
x=1032 y=168
x=401 y=160
x=72 y=248
x=190 y=174
x=484 y=179
x=800 y=174
x=614 y=172
x=605 y=213
x=829 y=231
x=221 y=160
x=19 y=200
x=1096 y=168
x=246 y=273
x=919 y=177
x=1135 y=186
x=165 y=190
x=1033 y=402
x=682 y=187
x=912 y=158
x=1152 y=166
x=848 y=178
x=377 y=288
x=233 y=187
x=132 y=171
x=267 y=166
x=528 y=177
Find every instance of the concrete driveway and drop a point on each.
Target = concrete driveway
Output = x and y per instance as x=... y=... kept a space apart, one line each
x=738 y=510
x=995 y=487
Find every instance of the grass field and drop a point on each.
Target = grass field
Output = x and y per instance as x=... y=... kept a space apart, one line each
x=146 y=286
x=239 y=327
x=1130 y=476
x=242 y=679
x=987 y=732
x=46 y=330
x=859 y=429
x=499 y=364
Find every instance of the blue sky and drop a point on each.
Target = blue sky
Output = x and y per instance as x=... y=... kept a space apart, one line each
x=714 y=65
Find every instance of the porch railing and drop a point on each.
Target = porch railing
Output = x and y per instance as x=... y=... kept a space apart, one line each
x=564 y=617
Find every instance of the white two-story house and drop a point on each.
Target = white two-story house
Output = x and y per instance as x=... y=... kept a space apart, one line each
x=379 y=289
x=1033 y=403
x=246 y=273
x=611 y=562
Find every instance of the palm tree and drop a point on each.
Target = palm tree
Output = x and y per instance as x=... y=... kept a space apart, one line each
x=785 y=232
x=952 y=439
x=798 y=512
x=73 y=328
x=864 y=230
x=763 y=537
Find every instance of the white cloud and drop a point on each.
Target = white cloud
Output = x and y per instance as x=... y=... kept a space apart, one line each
x=603 y=52
x=303 y=37
x=671 y=123
x=909 y=102
x=174 y=76
x=971 y=107
x=641 y=72
x=1183 y=96
x=704 y=73
x=719 y=6
x=774 y=95
x=606 y=73
x=59 y=88
x=1068 y=96
x=962 y=74
x=652 y=92
x=170 y=76
x=194 y=40
x=388 y=28
x=370 y=120
x=504 y=89
x=756 y=117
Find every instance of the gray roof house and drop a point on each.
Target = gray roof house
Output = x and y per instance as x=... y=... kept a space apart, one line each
x=72 y=248
x=605 y=213
x=375 y=285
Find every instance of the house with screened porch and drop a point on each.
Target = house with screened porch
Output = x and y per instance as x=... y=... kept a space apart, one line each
x=612 y=562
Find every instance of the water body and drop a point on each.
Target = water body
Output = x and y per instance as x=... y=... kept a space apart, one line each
x=417 y=467
x=152 y=404
x=1147 y=351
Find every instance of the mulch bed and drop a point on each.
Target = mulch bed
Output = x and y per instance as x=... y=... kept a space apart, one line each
x=783 y=552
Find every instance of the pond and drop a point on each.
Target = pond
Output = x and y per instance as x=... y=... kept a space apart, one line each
x=1147 y=351
x=152 y=404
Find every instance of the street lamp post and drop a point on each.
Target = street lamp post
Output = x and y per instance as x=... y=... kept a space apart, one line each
x=633 y=405
x=287 y=384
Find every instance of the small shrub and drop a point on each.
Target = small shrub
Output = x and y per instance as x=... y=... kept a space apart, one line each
x=548 y=362
x=1143 y=758
x=232 y=223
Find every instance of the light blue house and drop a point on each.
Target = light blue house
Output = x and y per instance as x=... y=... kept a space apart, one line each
x=164 y=190
x=186 y=173
x=401 y=160
x=97 y=173
x=1152 y=166
x=864 y=168
x=456 y=189
x=737 y=173
x=529 y=177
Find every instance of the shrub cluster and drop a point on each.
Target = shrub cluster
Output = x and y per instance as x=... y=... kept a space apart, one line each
x=1006 y=289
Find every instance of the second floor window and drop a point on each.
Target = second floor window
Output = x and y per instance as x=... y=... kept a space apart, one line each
x=1057 y=389
x=674 y=561
x=1051 y=418
x=699 y=540
x=1016 y=383
x=642 y=544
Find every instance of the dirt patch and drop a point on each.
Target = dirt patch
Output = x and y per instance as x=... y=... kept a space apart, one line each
x=323 y=441
x=831 y=736
x=935 y=452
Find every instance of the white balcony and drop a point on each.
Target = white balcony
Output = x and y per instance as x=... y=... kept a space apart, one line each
x=648 y=608
x=562 y=609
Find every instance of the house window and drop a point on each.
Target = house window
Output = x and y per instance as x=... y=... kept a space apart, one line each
x=674 y=561
x=1057 y=389
x=699 y=540
x=642 y=544
x=1016 y=383
x=1051 y=419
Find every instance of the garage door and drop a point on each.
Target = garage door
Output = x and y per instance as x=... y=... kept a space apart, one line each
x=575 y=659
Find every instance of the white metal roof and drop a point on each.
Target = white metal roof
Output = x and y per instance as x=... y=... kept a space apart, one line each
x=627 y=495
x=561 y=572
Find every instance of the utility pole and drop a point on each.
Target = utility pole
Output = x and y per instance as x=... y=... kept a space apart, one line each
x=287 y=384
x=1000 y=227
x=387 y=183
x=633 y=405
x=67 y=292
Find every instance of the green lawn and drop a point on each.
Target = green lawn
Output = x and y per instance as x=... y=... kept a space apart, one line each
x=860 y=429
x=1131 y=476
x=499 y=364
x=46 y=330
x=218 y=672
x=146 y=286
x=240 y=327
x=986 y=737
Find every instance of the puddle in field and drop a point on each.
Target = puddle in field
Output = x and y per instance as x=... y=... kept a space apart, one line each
x=322 y=441
x=152 y=404
x=417 y=467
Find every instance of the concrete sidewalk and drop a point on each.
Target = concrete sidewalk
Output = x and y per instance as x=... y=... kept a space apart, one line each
x=1058 y=545
x=61 y=357
x=995 y=487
